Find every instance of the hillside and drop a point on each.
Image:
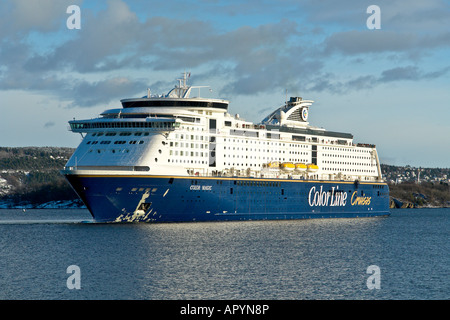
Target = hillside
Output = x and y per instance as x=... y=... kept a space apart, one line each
x=401 y=174
x=417 y=187
x=29 y=177
x=426 y=194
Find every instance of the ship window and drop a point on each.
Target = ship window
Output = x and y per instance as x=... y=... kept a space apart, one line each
x=212 y=124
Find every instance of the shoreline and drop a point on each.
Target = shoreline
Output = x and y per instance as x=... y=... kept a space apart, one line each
x=57 y=204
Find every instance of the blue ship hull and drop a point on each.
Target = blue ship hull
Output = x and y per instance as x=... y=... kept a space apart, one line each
x=117 y=198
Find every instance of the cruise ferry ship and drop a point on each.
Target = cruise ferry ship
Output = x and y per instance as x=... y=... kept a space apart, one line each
x=178 y=158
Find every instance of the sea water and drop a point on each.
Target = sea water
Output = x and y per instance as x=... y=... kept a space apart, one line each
x=43 y=253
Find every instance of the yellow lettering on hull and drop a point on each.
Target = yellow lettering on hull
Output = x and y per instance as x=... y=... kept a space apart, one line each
x=359 y=201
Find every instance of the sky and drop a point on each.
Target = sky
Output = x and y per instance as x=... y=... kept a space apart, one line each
x=388 y=86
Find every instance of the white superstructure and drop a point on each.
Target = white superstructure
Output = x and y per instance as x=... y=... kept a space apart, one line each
x=184 y=135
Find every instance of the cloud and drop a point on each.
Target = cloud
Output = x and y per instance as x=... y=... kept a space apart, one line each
x=362 y=82
x=367 y=41
x=411 y=30
x=19 y=17
x=112 y=89
x=96 y=64
x=416 y=15
x=115 y=39
x=102 y=36
x=400 y=73
x=49 y=124
x=329 y=82
x=356 y=42
x=412 y=73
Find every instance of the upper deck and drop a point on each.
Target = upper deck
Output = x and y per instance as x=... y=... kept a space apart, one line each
x=175 y=103
x=179 y=96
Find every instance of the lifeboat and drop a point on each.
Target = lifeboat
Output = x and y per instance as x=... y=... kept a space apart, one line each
x=312 y=168
x=287 y=166
x=275 y=165
x=300 y=167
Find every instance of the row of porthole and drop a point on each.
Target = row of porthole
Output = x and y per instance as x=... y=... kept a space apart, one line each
x=115 y=142
x=112 y=151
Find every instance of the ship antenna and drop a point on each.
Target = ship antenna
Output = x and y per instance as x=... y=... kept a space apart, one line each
x=183 y=81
